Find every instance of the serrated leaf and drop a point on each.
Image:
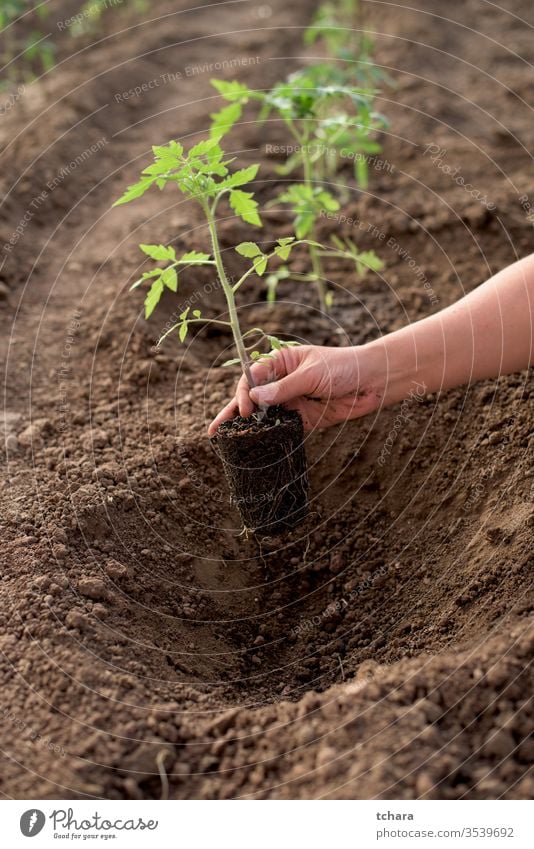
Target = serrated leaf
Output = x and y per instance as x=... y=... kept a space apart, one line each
x=249 y=249
x=172 y=150
x=136 y=190
x=223 y=120
x=155 y=272
x=153 y=297
x=245 y=206
x=205 y=146
x=169 y=278
x=194 y=258
x=232 y=90
x=240 y=178
x=158 y=252
x=235 y=362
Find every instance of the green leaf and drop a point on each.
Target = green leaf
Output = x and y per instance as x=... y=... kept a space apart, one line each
x=272 y=285
x=245 y=206
x=135 y=191
x=235 y=362
x=249 y=249
x=197 y=313
x=304 y=223
x=274 y=343
x=260 y=264
x=153 y=297
x=283 y=251
x=223 y=120
x=327 y=201
x=173 y=150
x=156 y=272
x=182 y=331
x=169 y=278
x=158 y=252
x=203 y=147
x=232 y=90
x=240 y=178
x=185 y=313
x=329 y=299
x=194 y=258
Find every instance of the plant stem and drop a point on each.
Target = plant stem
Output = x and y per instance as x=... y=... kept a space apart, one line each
x=229 y=294
x=315 y=260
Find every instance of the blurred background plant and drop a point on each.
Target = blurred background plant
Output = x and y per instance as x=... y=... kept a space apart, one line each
x=329 y=124
x=25 y=51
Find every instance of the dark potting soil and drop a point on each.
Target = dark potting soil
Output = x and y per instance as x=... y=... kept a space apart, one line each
x=265 y=466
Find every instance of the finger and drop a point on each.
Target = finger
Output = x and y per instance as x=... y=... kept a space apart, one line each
x=287 y=389
x=262 y=372
x=226 y=413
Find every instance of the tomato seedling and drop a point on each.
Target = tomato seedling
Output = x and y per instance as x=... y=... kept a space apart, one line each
x=276 y=498
x=202 y=175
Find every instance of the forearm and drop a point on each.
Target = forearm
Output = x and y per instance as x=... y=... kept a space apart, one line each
x=487 y=333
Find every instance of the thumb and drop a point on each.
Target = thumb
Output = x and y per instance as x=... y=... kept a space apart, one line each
x=279 y=391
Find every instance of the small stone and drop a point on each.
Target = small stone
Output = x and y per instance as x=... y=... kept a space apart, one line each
x=93 y=588
x=117 y=571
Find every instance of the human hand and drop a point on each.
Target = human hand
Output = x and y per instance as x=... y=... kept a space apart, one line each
x=326 y=386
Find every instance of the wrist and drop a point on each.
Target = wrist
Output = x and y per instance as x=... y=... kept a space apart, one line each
x=396 y=369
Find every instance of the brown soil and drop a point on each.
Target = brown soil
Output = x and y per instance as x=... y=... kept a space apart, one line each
x=384 y=647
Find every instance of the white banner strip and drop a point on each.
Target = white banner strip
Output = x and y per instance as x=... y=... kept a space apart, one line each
x=264 y=825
